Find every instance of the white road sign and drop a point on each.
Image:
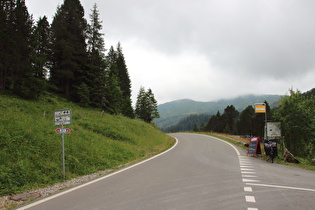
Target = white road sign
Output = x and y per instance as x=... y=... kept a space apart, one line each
x=273 y=129
x=63 y=117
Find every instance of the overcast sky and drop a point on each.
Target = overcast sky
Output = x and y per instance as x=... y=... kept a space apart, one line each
x=208 y=50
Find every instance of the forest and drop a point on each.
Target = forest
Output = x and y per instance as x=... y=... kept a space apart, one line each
x=296 y=112
x=66 y=57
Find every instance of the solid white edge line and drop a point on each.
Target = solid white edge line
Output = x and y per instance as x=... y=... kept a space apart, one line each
x=96 y=180
x=282 y=187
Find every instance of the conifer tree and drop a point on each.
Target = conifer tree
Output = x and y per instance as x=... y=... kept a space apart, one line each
x=69 y=58
x=20 y=72
x=141 y=105
x=97 y=63
x=245 y=123
x=6 y=52
x=112 y=99
x=124 y=83
x=146 y=106
x=230 y=116
x=42 y=38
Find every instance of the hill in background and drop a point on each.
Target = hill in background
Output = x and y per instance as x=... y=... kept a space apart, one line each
x=172 y=112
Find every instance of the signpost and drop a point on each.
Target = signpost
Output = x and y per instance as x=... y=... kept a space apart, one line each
x=63 y=117
x=62 y=130
x=262 y=108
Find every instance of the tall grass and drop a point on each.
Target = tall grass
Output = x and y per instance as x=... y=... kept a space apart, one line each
x=31 y=150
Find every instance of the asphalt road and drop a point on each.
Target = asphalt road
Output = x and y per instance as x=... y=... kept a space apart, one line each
x=200 y=172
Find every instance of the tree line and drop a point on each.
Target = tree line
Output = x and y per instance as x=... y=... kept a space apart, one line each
x=296 y=112
x=66 y=57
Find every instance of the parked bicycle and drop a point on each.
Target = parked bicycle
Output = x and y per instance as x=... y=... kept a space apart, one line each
x=271 y=149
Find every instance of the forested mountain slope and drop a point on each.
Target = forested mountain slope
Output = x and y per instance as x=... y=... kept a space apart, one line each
x=172 y=112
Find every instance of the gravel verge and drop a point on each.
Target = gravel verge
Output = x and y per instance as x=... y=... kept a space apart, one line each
x=6 y=202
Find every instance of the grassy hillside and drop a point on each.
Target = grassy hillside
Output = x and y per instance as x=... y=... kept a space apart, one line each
x=31 y=150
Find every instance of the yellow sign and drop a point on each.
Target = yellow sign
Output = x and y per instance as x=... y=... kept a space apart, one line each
x=260 y=108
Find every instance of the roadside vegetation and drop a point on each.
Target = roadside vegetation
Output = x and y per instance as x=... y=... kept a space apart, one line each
x=305 y=162
x=31 y=150
x=295 y=112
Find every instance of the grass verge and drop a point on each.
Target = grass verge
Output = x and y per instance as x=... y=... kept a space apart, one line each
x=31 y=150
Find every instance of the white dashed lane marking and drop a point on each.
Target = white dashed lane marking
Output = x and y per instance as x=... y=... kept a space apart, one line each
x=248 y=189
x=250 y=199
x=248 y=176
x=248 y=172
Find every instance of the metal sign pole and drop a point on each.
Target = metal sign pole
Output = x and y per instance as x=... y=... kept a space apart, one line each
x=63 y=117
x=63 y=155
x=265 y=131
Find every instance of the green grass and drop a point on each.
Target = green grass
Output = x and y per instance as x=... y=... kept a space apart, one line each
x=31 y=150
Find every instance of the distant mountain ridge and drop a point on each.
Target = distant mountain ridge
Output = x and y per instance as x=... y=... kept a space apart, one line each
x=172 y=112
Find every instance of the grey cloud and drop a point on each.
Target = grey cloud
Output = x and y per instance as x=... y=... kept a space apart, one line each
x=271 y=42
x=273 y=38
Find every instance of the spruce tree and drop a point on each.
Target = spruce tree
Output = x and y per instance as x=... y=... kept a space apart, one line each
x=124 y=83
x=112 y=99
x=69 y=57
x=6 y=42
x=245 y=123
x=21 y=73
x=97 y=63
x=146 y=106
x=230 y=117
x=40 y=54
x=152 y=104
x=141 y=105
x=42 y=38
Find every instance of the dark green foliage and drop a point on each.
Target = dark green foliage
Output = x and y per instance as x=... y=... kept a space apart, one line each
x=6 y=30
x=83 y=95
x=215 y=124
x=42 y=38
x=245 y=123
x=17 y=70
x=95 y=37
x=69 y=57
x=192 y=122
x=70 y=54
x=224 y=123
x=97 y=63
x=296 y=114
x=124 y=83
x=146 y=106
x=229 y=117
x=112 y=100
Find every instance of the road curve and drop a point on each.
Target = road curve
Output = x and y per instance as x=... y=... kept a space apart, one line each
x=201 y=172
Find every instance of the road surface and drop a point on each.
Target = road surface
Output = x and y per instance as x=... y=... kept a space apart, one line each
x=200 y=172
